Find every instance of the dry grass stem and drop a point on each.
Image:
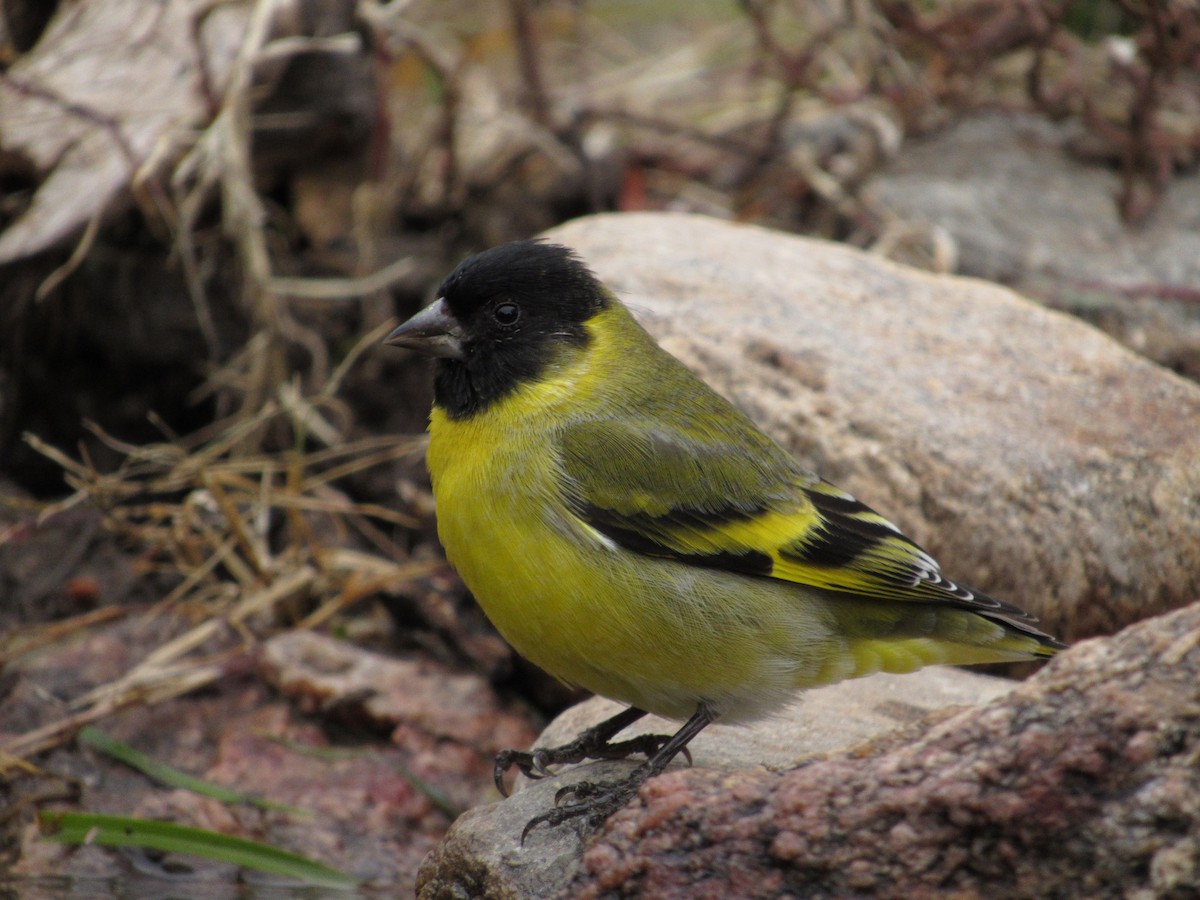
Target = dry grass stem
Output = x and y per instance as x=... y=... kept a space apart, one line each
x=255 y=542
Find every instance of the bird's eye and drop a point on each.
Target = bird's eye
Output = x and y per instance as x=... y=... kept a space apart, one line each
x=506 y=313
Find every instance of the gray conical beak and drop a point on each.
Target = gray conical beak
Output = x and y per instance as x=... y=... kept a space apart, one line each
x=433 y=331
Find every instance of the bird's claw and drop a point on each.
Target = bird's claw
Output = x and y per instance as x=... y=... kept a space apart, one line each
x=581 y=790
x=593 y=803
x=542 y=760
x=595 y=743
x=505 y=760
x=535 y=764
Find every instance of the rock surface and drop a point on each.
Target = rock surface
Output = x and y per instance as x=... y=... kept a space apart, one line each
x=1080 y=782
x=1036 y=458
x=1020 y=206
x=482 y=856
x=436 y=706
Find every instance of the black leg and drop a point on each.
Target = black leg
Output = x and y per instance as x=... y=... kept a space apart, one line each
x=591 y=744
x=595 y=802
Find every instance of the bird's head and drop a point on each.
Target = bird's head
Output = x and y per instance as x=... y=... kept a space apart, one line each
x=500 y=319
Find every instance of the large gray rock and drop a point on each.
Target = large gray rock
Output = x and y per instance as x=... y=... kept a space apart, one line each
x=1082 y=782
x=1036 y=458
x=1022 y=207
x=482 y=855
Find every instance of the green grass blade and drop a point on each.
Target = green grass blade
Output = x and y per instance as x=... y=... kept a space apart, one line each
x=120 y=831
x=172 y=777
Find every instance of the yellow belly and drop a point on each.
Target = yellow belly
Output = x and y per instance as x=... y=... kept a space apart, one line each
x=653 y=633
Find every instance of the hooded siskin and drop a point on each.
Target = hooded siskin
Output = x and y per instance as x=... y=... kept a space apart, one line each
x=631 y=532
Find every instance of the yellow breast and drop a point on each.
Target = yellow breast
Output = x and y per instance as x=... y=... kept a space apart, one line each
x=559 y=592
x=503 y=523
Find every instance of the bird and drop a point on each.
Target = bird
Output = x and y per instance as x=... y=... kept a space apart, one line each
x=632 y=532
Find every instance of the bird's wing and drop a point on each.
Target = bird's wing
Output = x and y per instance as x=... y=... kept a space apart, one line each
x=739 y=502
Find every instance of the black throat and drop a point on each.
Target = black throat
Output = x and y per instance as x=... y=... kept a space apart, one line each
x=461 y=392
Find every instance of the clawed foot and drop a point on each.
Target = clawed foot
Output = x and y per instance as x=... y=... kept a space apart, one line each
x=594 y=743
x=594 y=801
x=537 y=762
